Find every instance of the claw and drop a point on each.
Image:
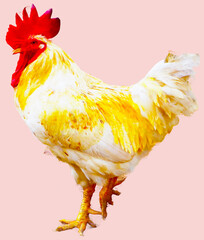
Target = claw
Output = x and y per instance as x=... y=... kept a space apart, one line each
x=105 y=195
x=80 y=224
x=83 y=217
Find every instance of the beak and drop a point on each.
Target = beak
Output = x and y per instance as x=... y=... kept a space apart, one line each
x=17 y=50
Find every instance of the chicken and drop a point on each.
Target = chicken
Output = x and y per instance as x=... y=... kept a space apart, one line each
x=101 y=131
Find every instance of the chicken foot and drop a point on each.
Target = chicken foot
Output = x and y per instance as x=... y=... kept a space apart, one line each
x=83 y=216
x=105 y=195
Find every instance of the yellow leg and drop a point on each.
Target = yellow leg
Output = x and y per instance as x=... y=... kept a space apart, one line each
x=83 y=217
x=105 y=195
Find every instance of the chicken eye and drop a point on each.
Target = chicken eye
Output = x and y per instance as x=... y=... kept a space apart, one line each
x=34 y=42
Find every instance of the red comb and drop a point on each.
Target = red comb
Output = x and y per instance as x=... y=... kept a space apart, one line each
x=33 y=25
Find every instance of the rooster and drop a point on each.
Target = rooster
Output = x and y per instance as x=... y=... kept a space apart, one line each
x=101 y=131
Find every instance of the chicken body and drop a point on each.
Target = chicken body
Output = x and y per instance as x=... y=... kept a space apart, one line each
x=101 y=131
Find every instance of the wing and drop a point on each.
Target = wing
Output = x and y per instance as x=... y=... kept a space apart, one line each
x=103 y=121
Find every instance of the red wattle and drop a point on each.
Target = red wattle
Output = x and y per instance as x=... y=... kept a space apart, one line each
x=25 y=59
x=21 y=65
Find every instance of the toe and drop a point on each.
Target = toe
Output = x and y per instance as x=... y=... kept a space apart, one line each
x=82 y=228
x=91 y=223
x=92 y=211
x=67 y=225
x=64 y=221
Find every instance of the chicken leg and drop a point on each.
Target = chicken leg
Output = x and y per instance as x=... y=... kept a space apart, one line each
x=83 y=216
x=105 y=195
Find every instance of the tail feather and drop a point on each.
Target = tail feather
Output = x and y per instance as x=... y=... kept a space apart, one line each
x=165 y=92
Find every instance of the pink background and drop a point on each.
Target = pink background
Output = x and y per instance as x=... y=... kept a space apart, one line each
x=117 y=41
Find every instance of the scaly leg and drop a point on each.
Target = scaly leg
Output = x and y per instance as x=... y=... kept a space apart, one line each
x=105 y=195
x=83 y=217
